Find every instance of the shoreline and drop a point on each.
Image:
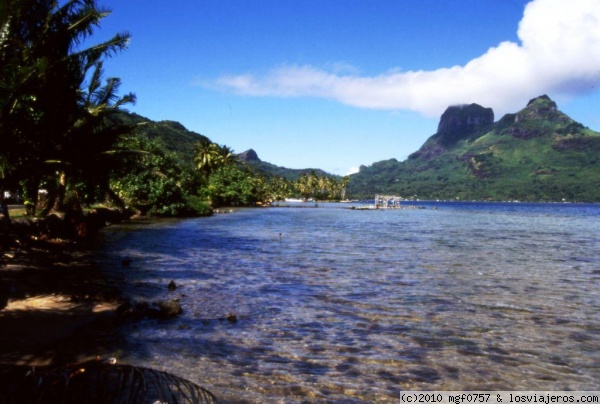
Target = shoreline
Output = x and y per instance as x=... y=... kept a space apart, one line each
x=49 y=300
x=62 y=317
x=54 y=299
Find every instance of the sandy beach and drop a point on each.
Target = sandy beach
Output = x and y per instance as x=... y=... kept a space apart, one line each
x=52 y=300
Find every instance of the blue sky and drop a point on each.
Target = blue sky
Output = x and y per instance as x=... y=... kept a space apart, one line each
x=335 y=84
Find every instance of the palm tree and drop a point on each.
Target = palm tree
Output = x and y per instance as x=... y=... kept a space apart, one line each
x=226 y=156
x=302 y=184
x=322 y=185
x=312 y=182
x=89 y=155
x=332 y=188
x=206 y=156
x=210 y=157
x=344 y=185
x=43 y=68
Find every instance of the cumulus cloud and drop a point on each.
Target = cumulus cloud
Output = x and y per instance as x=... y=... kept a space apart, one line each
x=558 y=53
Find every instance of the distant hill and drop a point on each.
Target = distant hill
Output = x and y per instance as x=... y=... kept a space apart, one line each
x=269 y=170
x=536 y=154
x=176 y=138
x=173 y=135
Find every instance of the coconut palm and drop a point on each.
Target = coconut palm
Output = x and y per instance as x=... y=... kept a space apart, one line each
x=226 y=156
x=344 y=185
x=206 y=156
x=210 y=157
x=303 y=185
x=322 y=185
x=89 y=155
x=43 y=67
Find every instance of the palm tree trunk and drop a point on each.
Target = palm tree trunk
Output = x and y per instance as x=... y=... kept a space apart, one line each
x=61 y=192
x=4 y=206
x=31 y=190
x=115 y=198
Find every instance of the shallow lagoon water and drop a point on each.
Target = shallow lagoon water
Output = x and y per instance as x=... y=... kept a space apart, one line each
x=355 y=306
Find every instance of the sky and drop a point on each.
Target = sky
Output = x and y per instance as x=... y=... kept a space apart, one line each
x=335 y=84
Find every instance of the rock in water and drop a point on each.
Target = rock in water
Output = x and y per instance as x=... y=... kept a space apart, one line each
x=170 y=308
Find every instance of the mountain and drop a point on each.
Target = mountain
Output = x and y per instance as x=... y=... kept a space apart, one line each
x=173 y=135
x=269 y=170
x=536 y=154
x=176 y=138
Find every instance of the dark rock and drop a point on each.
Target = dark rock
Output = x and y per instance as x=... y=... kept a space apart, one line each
x=527 y=125
x=232 y=318
x=577 y=144
x=171 y=286
x=459 y=122
x=145 y=310
x=137 y=311
x=428 y=151
x=523 y=133
x=248 y=155
x=456 y=123
x=169 y=309
x=152 y=313
x=542 y=105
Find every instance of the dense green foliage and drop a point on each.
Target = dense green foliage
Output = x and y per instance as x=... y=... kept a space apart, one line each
x=63 y=130
x=152 y=181
x=55 y=127
x=291 y=174
x=537 y=154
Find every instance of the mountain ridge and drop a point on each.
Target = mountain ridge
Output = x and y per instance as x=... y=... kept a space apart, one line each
x=176 y=138
x=251 y=158
x=537 y=153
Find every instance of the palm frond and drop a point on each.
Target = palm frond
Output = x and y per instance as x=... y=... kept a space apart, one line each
x=95 y=82
x=99 y=382
x=108 y=48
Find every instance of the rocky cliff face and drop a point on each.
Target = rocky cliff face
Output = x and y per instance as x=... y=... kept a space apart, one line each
x=459 y=122
x=526 y=122
x=535 y=154
x=248 y=156
x=539 y=107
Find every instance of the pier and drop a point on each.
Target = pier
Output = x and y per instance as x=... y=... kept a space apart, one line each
x=387 y=202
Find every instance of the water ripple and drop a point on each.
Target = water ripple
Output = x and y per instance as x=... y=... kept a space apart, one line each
x=341 y=305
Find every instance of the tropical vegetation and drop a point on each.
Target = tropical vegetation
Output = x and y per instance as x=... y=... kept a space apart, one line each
x=55 y=108
x=67 y=141
x=536 y=154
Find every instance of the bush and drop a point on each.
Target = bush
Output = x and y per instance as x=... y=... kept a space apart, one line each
x=198 y=206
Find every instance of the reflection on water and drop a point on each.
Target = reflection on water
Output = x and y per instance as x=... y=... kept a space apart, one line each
x=358 y=305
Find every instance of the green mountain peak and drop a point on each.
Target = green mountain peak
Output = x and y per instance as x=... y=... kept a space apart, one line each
x=537 y=153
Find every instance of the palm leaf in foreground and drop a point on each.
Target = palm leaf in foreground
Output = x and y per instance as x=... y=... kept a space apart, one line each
x=98 y=382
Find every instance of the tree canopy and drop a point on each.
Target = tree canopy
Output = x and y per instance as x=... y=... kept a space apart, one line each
x=54 y=108
x=63 y=128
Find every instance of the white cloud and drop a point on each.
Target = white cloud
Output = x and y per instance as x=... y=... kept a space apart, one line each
x=558 y=53
x=352 y=170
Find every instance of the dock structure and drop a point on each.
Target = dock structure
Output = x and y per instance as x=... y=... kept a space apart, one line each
x=387 y=202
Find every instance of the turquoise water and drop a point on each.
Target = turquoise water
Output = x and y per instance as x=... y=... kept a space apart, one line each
x=344 y=305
